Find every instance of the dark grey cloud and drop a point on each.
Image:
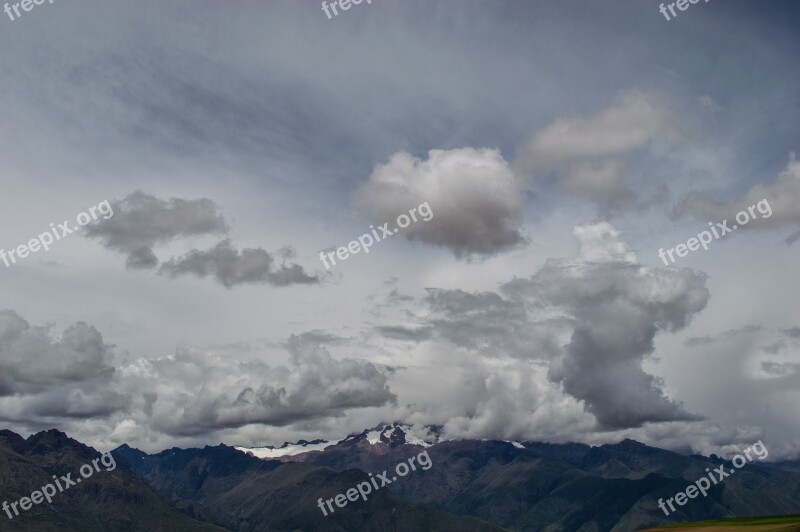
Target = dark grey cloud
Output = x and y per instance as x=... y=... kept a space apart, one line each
x=142 y=221
x=232 y=267
x=781 y=369
x=192 y=392
x=405 y=333
x=698 y=340
x=618 y=307
x=54 y=377
x=197 y=392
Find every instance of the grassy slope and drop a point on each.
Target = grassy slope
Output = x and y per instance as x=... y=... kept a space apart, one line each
x=782 y=523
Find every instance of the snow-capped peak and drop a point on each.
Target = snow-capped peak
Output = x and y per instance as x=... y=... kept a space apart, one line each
x=287 y=449
x=399 y=434
x=393 y=435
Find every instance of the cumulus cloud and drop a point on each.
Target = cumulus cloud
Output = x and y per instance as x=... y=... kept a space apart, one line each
x=593 y=319
x=633 y=120
x=232 y=267
x=499 y=399
x=142 y=221
x=54 y=377
x=476 y=199
x=197 y=392
x=618 y=307
x=781 y=209
x=75 y=380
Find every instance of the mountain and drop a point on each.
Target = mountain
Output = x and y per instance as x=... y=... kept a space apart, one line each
x=244 y=493
x=553 y=487
x=444 y=485
x=391 y=435
x=111 y=499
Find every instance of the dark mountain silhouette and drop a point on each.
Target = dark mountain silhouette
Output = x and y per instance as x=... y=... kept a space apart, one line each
x=554 y=487
x=469 y=485
x=107 y=501
x=244 y=493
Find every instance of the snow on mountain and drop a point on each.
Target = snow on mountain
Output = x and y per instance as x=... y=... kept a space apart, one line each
x=287 y=449
x=393 y=435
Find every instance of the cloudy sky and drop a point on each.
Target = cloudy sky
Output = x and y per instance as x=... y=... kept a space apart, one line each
x=559 y=144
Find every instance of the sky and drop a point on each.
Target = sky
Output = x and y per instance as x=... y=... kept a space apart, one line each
x=558 y=145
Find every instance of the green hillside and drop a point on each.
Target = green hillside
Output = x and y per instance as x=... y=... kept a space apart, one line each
x=781 y=523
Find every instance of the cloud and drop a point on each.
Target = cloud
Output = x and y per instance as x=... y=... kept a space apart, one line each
x=498 y=399
x=197 y=392
x=592 y=320
x=47 y=381
x=618 y=307
x=782 y=195
x=599 y=181
x=793 y=332
x=780 y=369
x=602 y=243
x=142 y=221
x=404 y=333
x=476 y=200
x=709 y=103
x=487 y=323
x=46 y=377
x=634 y=119
x=232 y=267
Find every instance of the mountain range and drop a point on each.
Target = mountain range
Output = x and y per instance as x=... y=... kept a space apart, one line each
x=468 y=485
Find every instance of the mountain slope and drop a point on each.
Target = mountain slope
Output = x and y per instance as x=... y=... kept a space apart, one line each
x=244 y=493
x=550 y=487
x=107 y=501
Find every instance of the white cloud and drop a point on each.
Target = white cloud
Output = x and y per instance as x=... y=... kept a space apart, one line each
x=475 y=198
x=633 y=120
